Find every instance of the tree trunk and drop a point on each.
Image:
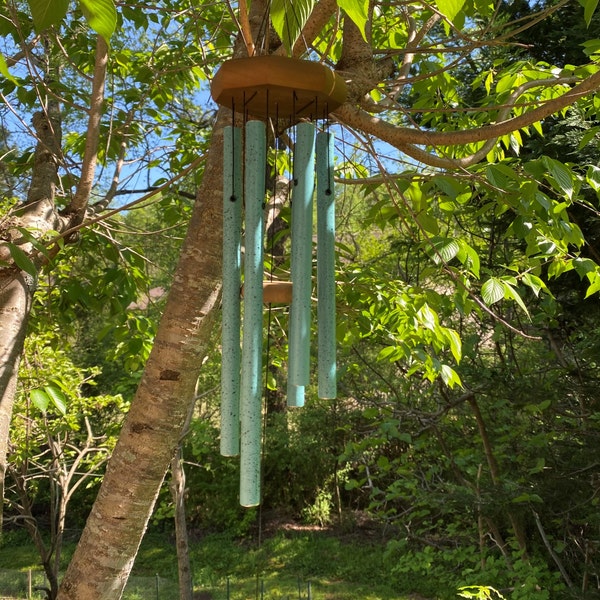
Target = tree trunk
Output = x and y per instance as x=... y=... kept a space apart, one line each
x=16 y=286
x=15 y=302
x=183 y=552
x=151 y=432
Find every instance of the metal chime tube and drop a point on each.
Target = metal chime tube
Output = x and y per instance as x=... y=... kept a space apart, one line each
x=326 y=268
x=301 y=259
x=230 y=343
x=251 y=392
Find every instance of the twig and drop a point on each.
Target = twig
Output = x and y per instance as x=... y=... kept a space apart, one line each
x=553 y=554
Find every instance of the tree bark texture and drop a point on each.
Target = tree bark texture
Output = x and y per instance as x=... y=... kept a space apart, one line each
x=16 y=291
x=184 y=568
x=17 y=287
x=151 y=432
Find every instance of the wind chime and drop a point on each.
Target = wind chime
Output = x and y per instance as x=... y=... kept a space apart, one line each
x=263 y=90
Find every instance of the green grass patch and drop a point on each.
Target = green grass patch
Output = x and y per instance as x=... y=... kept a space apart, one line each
x=284 y=564
x=338 y=568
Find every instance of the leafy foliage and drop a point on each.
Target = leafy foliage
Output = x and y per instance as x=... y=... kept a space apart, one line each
x=101 y=15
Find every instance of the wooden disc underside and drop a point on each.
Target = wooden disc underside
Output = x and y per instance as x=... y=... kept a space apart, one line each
x=278 y=87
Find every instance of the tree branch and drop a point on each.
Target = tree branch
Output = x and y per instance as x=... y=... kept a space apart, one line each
x=414 y=39
x=406 y=139
x=79 y=203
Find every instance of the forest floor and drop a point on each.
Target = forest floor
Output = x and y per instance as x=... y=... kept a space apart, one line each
x=280 y=560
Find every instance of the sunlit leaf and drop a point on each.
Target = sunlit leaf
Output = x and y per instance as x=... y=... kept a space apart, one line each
x=450 y=376
x=450 y=8
x=594 y=284
x=358 y=11
x=469 y=258
x=492 y=291
x=289 y=18
x=445 y=250
x=534 y=282
x=57 y=397
x=455 y=344
x=4 y=70
x=101 y=16
x=40 y=399
x=592 y=177
x=589 y=8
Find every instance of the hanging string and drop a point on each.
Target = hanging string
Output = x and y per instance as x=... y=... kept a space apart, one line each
x=263 y=30
x=327 y=127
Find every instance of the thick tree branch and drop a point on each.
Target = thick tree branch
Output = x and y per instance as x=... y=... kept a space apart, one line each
x=406 y=139
x=245 y=27
x=46 y=158
x=90 y=157
x=355 y=50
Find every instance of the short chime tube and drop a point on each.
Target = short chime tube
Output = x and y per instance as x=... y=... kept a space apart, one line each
x=230 y=345
x=251 y=392
x=326 y=325
x=301 y=262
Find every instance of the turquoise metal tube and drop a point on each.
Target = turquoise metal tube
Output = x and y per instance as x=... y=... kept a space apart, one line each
x=295 y=395
x=326 y=327
x=302 y=206
x=230 y=340
x=251 y=392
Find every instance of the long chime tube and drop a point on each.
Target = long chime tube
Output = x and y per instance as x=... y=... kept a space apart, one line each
x=251 y=392
x=230 y=343
x=301 y=259
x=295 y=394
x=326 y=320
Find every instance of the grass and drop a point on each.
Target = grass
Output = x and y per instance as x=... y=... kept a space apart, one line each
x=337 y=567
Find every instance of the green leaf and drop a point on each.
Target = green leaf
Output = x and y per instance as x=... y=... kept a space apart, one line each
x=358 y=11
x=584 y=266
x=455 y=344
x=469 y=258
x=502 y=177
x=561 y=175
x=4 y=70
x=46 y=13
x=511 y=292
x=587 y=137
x=592 y=177
x=594 y=284
x=22 y=260
x=534 y=282
x=450 y=8
x=527 y=498
x=40 y=399
x=428 y=223
x=450 y=376
x=57 y=397
x=288 y=19
x=445 y=250
x=101 y=16
x=492 y=291
x=589 y=8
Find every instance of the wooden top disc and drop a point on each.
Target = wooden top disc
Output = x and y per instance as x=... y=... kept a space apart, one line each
x=278 y=87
